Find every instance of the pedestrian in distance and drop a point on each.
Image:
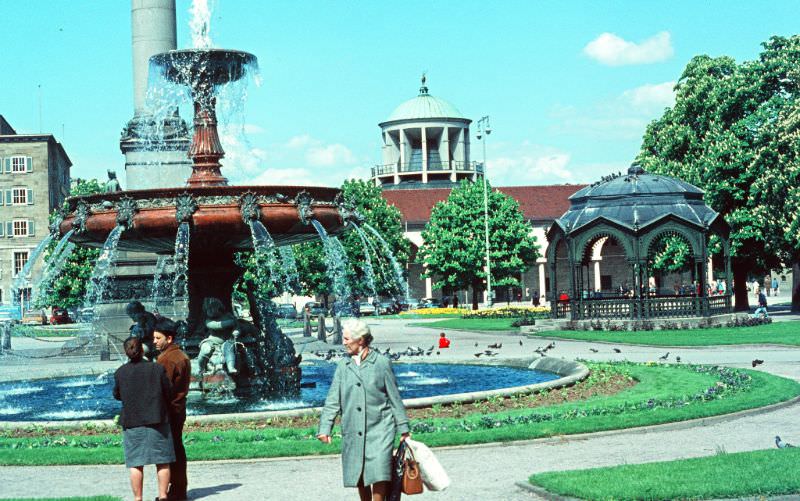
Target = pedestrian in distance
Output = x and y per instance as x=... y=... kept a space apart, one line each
x=145 y=392
x=179 y=372
x=443 y=341
x=775 y=286
x=364 y=391
x=762 y=306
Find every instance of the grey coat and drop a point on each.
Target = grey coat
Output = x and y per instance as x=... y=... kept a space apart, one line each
x=372 y=414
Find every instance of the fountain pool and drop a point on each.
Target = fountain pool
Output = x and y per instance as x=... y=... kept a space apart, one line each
x=89 y=397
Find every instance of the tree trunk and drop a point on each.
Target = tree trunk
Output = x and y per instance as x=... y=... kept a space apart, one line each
x=475 y=291
x=796 y=286
x=740 y=286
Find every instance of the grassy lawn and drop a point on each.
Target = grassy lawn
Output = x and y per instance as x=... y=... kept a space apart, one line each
x=665 y=393
x=758 y=473
x=775 y=333
x=473 y=324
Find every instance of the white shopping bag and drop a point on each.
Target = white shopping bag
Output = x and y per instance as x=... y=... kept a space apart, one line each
x=433 y=475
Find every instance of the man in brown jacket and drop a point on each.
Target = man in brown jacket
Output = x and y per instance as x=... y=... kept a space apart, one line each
x=179 y=370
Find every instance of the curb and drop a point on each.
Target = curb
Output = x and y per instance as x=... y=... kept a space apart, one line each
x=661 y=346
x=544 y=493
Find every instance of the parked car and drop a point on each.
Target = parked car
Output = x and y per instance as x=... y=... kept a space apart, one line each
x=316 y=308
x=430 y=302
x=388 y=308
x=285 y=310
x=85 y=315
x=366 y=308
x=60 y=316
x=34 y=317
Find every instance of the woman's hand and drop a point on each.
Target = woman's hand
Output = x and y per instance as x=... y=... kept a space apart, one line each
x=405 y=436
x=325 y=439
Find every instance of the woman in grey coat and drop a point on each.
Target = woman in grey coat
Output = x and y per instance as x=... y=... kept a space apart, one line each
x=364 y=390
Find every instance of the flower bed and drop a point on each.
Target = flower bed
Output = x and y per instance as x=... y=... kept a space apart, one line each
x=510 y=312
x=435 y=311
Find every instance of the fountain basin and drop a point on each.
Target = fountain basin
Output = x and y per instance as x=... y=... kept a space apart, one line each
x=193 y=67
x=216 y=224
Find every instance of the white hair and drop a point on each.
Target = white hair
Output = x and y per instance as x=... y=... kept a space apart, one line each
x=357 y=329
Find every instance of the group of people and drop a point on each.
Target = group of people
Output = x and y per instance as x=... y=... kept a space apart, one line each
x=153 y=395
x=363 y=391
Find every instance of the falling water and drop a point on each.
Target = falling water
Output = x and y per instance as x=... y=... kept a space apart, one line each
x=180 y=282
x=264 y=250
x=337 y=259
x=291 y=277
x=369 y=272
x=96 y=287
x=55 y=262
x=161 y=263
x=22 y=276
x=398 y=271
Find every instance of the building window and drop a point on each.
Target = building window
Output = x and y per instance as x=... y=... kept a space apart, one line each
x=21 y=228
x=20 y=258
x=20 y=196
x=18 y=164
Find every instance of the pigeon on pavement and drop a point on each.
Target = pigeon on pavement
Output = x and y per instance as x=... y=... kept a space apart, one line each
x=593 y=350
x=617 y=350
x=757 y=362
x=664 y=357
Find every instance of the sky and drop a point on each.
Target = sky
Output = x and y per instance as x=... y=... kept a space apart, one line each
x=569 y=86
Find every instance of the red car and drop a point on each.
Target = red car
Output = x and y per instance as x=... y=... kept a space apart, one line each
x=60 y=316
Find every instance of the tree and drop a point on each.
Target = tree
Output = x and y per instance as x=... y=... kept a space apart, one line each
x=454 y=251
x=68 y=288
x=732 y=132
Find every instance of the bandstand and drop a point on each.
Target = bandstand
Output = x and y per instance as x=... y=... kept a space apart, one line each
x=633 y=213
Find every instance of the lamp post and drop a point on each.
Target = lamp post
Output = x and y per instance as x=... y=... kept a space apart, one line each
x=484 y=129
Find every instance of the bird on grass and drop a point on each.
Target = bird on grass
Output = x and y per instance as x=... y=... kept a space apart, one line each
x=617 y=350
x=781 y=444
x=664 y=357
x=757 y=362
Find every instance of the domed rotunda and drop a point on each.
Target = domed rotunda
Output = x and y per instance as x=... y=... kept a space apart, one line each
x=425 y=144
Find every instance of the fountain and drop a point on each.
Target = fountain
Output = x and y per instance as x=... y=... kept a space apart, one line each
x=204 y=224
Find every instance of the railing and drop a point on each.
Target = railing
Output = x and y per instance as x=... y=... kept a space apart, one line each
x=645 y=308
x=381 y=170
x=388 y=169
x=408 y=167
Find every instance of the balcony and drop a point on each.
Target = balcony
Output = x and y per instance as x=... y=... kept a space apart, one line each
x=391 y=169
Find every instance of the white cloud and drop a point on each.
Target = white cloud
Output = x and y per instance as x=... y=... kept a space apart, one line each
x=528 y=163
x=286 y=177
x=300 y=141
x=651 y=96
x=330 y=155
x=612 y=50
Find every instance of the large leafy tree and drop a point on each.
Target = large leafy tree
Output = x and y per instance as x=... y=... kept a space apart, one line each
x=732 y=132
x=454 y=251
x=366 y=199
x=68 y=288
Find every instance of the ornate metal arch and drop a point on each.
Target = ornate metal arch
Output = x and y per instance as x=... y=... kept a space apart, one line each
x=693 y=237
x=590 y=235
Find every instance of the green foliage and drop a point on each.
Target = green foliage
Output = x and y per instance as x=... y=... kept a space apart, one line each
x=733 y=132
x=454 y=250
x=69 y=287
x=670 y=254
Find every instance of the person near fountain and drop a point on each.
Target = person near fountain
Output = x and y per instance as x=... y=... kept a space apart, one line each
x=364 y=391
x=179 y=371
x=143 y=322
x=145 y=392
x=223 y=334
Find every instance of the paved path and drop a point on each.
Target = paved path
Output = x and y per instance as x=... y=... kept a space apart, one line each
x=478 y=472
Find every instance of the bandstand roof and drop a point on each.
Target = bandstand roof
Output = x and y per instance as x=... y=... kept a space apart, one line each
x=636 y=200
x=424 y=106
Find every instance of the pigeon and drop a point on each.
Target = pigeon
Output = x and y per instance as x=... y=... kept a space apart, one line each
x=664 y=357
x=781 y=444
x=395 y=356
x=593 y=350
x=617 y=350
x=520 y=342
x=438 y=352
x=490 y=353
x=678 y=359
x=476 y=345
x=478 y=354
x=427 y=353
x=757 y=362
x=550 y=346
x=496 y=346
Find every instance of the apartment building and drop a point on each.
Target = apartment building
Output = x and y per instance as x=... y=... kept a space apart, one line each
x=34 y=180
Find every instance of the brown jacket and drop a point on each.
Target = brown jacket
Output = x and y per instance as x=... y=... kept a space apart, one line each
x=179 y=371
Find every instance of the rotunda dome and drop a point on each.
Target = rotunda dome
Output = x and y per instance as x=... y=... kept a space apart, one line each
x=424 y=106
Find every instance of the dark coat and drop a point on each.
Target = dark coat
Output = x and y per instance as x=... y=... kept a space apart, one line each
x=179 y=372
x=372 y=414
x=145 y=392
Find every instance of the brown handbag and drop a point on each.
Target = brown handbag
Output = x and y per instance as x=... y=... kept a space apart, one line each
x=412 y=481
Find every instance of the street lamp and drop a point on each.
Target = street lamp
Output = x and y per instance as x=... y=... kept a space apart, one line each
x=484 y=129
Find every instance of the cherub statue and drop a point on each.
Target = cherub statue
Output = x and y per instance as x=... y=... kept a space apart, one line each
x=223 y=336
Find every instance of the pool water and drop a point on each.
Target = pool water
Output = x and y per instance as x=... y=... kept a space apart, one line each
x=90 y=397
